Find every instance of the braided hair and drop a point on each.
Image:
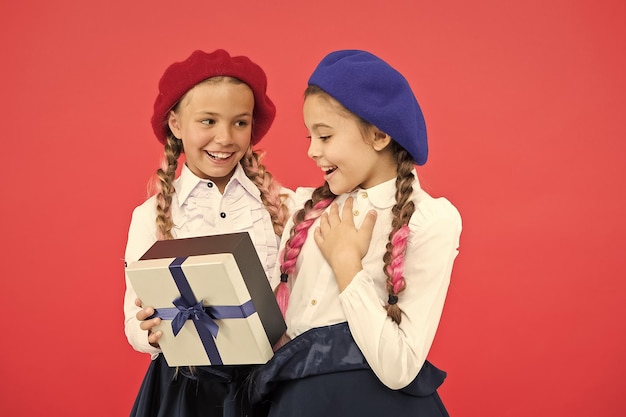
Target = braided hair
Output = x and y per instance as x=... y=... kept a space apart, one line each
x=165 y=185
x=396 y=246
x=303 y=220
x=271 y=197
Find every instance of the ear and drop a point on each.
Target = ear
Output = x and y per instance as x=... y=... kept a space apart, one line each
x=173 y=121
x=381 y=140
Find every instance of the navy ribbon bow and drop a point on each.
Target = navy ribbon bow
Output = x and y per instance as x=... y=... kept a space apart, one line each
x=194 y=312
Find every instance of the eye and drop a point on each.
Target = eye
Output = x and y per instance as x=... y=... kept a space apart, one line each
x=208 y=121
x=242 y=123
x=324 y=138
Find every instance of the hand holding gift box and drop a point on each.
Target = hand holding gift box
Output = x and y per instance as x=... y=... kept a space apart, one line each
x=213 y=297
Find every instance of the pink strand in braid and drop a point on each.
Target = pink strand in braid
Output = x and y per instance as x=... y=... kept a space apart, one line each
x=290 y=253
x=394 y=258
x=396 y=267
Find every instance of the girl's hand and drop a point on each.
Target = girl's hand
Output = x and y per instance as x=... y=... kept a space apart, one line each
x=142 y=315
x=341 y=243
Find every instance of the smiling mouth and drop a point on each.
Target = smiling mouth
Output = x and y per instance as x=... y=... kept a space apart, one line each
x=219 y=155
x=328 y=170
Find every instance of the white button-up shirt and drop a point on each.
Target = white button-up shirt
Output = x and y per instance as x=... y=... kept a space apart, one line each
x=199 y=209
x=395 y=352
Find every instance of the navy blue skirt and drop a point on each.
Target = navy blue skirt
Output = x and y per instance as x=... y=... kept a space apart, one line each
x=350 y=393
x=207 y=391
x=322 y=372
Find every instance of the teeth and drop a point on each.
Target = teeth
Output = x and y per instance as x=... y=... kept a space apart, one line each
x=328 y=169
x=219 y=155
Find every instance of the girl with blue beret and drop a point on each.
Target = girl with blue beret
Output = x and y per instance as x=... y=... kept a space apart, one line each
x=365 y=263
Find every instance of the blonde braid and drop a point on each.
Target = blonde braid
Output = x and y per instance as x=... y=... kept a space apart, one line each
x=396 y=247
x=271 y=197
x=165 y=184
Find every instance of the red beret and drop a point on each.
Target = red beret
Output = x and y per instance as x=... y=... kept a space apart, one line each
x=180 y=77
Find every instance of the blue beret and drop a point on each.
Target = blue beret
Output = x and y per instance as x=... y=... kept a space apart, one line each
x=373 y=90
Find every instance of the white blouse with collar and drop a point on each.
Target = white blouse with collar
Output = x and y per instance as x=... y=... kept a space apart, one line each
x=396 y=353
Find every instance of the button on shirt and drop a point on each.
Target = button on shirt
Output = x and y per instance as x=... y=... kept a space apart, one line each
x=396 y=353
x=199 y=209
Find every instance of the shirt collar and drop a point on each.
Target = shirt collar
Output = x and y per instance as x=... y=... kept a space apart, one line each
x=240 y=177
x=187 y=181
x=383 y=195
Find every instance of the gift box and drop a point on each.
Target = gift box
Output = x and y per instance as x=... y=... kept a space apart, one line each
x=214 y=298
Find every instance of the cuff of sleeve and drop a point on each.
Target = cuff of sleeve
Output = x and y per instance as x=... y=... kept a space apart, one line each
x=138 y=339
x=361 y=284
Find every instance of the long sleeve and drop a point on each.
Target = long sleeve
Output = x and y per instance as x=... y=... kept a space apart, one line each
x=141 y=235
x=396 y=353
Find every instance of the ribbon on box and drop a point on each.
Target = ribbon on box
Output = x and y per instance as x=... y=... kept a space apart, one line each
x=189 y=308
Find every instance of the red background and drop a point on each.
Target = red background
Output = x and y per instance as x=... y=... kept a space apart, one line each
x=525 y=113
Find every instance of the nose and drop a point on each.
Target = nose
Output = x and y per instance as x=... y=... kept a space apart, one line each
x=314 y=149
x=223 y=135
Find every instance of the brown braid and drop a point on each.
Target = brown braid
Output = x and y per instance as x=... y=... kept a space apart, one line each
x=401 y=212
x=165 y=185
x=270 y=189
x=165 y=177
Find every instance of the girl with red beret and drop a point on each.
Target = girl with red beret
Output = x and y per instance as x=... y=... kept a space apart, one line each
x=366 y=262
x=213 y=108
